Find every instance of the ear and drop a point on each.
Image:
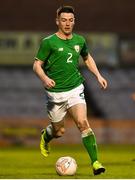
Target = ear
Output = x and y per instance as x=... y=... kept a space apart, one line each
x=57 y=22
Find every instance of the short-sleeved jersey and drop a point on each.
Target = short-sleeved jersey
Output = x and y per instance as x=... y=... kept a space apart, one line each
x=61 y=58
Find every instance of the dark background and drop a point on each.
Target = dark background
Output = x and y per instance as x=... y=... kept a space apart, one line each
x=91 y=15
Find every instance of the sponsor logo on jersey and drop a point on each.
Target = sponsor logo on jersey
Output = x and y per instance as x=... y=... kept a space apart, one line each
x=77 y=48
x=60 y=49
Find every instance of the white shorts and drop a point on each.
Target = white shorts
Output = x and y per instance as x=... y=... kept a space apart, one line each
x=58 y=103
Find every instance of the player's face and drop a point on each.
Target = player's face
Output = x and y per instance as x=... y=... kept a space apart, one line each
x=66 y=23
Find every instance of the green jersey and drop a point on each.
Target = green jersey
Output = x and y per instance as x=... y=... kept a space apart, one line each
x=61 y=59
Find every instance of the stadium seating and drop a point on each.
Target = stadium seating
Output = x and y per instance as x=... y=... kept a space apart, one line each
x=116 y=102
x=22 y=94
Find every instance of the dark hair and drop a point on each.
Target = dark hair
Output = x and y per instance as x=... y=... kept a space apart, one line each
x=66 y=9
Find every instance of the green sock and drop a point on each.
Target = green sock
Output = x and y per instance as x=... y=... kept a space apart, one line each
x=90 y=144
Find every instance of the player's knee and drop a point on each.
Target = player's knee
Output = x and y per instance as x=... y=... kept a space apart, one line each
x=83 y=125
x=60 y=132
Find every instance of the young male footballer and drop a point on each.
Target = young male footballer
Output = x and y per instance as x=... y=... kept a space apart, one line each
x=56 y=65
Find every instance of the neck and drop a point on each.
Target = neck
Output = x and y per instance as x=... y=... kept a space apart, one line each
x=63 y=36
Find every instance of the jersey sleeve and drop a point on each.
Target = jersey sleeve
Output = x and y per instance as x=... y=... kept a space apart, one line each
x=84 y=50
x=44 y=50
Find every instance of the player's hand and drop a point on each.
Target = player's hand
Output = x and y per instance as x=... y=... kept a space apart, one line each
x=102 y=82
x=48 y=83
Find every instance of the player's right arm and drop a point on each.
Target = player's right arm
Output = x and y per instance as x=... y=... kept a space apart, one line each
x=37 y=68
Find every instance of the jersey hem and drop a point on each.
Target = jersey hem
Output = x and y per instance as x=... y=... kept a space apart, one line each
x=64 y=90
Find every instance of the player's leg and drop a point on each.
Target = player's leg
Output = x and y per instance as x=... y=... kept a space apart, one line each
x=53 y=130
x=56 y=113
x=79 y=114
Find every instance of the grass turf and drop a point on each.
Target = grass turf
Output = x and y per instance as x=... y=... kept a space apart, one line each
x=28 y=163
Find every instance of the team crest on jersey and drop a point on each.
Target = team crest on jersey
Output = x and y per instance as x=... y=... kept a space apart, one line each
x=77 y=48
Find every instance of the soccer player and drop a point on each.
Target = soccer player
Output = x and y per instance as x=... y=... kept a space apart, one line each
x=56 y=64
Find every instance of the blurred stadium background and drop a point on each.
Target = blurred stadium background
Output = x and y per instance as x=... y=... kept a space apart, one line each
x=109 y=29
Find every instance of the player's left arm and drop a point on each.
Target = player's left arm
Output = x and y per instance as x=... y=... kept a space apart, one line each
x=91 y=65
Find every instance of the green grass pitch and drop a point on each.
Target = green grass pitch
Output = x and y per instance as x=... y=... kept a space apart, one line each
x=28 y=163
